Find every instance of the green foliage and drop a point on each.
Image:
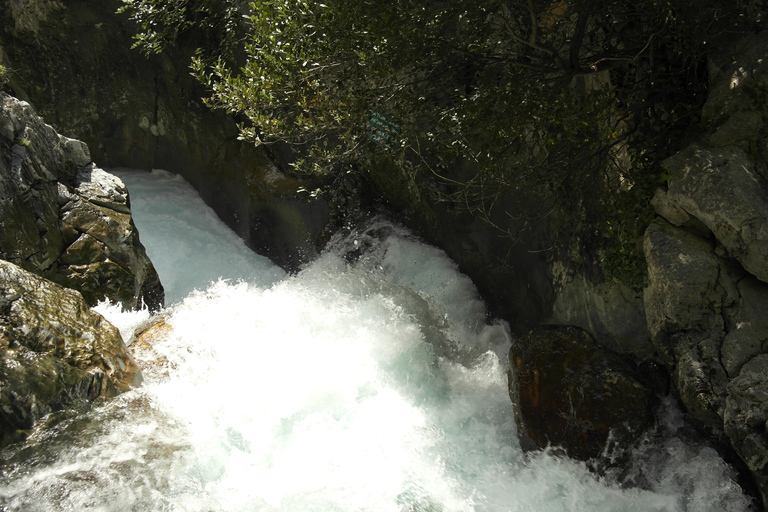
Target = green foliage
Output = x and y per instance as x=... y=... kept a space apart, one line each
x=3 y=75
x=213 y=25
x=565 y=106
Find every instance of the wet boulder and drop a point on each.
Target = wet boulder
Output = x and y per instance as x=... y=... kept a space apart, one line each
x=53 y=350
x=63 y=218
x=103 y=257
x=571 y=392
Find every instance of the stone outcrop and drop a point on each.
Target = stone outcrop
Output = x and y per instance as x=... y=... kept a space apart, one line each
x=684 y=303
x=707 y=293
x=53 y=350
x=721 y=189
x=572 y=393
x=63 y=218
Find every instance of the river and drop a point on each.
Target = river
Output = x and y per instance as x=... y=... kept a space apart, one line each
x=371 y=380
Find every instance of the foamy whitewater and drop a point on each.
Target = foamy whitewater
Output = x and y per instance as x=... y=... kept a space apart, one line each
x=369 y=381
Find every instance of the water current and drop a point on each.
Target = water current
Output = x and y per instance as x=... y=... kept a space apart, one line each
x=369 y=381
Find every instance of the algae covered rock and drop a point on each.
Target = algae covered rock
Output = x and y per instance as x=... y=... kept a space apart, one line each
x=571 y=392
x=54 y=350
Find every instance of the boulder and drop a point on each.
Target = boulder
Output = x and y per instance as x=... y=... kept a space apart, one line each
x=571 y=392
x=684 y=304
x=707 y=319
x=721 y=188
x=54 y=350
x=707 y=294
x=63 y=218
x=104 y=258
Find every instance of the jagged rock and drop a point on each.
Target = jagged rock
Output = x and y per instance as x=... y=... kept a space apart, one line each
x=571 y=392
x=106 y=260
x=707 y=294
x=53 y=350
x=746 y=415
x=748 y=325
x=707 y=318
x=65 y=219
x=683 y=304
x=720 y=188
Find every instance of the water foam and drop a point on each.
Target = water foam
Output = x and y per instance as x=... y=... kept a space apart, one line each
x=366 y=382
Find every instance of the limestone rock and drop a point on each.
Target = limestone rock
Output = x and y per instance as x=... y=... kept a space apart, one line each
x=720 y=188
x=63 y=218
x=748 y=332
x=707 y=319
x=571 y=392
x=53 y=350
x=683 y=303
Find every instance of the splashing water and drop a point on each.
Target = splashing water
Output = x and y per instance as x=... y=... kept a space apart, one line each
x=369 y=381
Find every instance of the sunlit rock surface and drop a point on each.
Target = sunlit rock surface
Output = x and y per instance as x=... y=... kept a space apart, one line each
x=53 y=350
x=104 y=258
x=63 y=218
x=572 y=393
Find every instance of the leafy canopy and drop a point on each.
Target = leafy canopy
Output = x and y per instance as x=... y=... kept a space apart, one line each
x=571 y=104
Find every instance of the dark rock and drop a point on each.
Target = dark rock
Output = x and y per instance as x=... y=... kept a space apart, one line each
x=612 y=311
x=746 y=417
x=683 y=303
x=53 y=350
x=571 y=392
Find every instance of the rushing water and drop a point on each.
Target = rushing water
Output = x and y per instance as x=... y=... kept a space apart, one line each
x=370 y=381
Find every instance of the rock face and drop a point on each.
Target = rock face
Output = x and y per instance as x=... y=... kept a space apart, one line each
x=65 y=219
x=720 y=188
x=707 y=256
x=573 y=393
x=53 y=350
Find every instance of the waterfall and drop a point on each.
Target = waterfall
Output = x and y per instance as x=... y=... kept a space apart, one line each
x=371 y=380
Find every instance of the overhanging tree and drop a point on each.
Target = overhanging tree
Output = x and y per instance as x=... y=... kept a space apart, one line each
x=570 y=102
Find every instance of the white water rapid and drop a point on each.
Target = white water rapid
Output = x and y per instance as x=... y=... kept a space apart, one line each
x=370 y=381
